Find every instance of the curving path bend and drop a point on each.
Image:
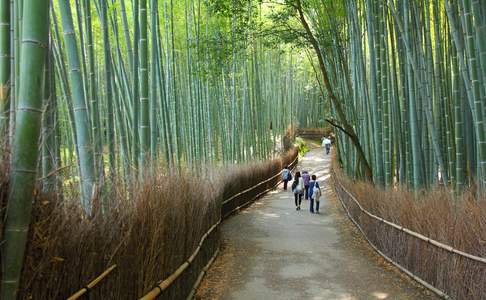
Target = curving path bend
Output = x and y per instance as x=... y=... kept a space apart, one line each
x=272 y=251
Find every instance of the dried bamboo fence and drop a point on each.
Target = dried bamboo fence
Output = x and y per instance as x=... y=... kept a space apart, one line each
x=249 y=195
x=228 y=207
x=448 y=272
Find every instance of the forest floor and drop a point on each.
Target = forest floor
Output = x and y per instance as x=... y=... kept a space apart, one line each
x=272 y=251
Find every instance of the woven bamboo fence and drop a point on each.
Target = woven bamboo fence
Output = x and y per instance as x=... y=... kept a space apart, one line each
x=448 y=272
x=206 y=251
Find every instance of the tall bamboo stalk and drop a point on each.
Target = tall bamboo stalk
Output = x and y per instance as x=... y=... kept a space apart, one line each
x=84 y=142
x=5 y=65
x=25 y=146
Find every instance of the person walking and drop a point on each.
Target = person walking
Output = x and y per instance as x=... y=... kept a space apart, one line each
x=286 y=176
x=298 y=190
x=326 y=143
x=306 y=178
x=315 y=194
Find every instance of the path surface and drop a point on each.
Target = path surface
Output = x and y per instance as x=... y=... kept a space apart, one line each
x=272 y=251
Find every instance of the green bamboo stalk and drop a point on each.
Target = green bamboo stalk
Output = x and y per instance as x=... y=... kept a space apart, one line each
x=383 y=83
x=5 y=64
x=49 y=129
x=154 y=108
x=126 y=33
x=459 y=125
x=135 y=87
x=378 y=163
x=108 y=86
x=92 y=92
x=25 y=146
x=144 y=127
x=84 y=143
x=13 y=69
x=479 y=106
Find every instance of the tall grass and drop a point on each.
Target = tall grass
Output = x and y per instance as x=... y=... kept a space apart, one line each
x=458 y=222
x=148 y=237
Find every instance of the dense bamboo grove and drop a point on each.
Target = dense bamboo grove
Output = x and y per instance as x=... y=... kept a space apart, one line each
x=428 y=61
x=94 y=92
x=129 y=82
x=411 y=79
x=98 y=92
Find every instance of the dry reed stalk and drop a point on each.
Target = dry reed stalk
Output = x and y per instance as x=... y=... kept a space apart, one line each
x=458 y=222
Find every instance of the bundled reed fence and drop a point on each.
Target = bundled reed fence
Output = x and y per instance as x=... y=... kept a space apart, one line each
x=248 y=190
x=438 y=241
x=149 y=238
x=239 y=186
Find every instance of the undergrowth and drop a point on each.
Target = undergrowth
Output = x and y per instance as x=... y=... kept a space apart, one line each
x=459 y=222
x=302 y=146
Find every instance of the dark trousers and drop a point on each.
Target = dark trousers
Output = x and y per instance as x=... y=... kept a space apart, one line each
x=285 y=184
x=306 y=187
x=317 y=205
x=298 y=199
x=312 y=205
x=328 y=148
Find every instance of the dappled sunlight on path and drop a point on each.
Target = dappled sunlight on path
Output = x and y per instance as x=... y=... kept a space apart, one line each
x=272 y=251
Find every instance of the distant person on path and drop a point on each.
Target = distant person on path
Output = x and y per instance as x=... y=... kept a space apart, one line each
x=298 y=189
x=306 y=178
x=326 y=143
x=286 y=176
x=315 y=194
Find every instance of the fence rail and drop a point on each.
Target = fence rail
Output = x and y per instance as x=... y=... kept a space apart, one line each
x=92 y=284
x=164 y=284
x=447 y=259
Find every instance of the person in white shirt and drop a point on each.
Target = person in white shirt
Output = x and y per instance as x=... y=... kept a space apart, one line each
x=326 y=143
x=298 y=189
x=315 y=194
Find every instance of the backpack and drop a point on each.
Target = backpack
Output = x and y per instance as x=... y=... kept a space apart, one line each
x=316 y=191
x=289 y=176
x=294 y=185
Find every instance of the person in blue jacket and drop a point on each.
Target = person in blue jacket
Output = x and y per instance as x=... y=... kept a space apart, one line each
x=286 y=176
x=314 y=194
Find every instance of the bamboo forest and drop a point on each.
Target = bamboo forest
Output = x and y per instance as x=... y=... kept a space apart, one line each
x=155 y=149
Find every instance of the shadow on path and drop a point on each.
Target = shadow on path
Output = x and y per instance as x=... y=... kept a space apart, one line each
x=272 y=251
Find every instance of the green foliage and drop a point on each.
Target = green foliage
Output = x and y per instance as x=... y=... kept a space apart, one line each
x=301 y=144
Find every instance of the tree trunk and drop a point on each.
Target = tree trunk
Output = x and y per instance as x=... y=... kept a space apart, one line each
x=335 y=101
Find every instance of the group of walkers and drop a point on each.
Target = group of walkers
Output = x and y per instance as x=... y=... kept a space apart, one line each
x=303 y=186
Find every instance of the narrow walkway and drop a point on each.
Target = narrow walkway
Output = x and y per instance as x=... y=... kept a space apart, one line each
x=272 y=251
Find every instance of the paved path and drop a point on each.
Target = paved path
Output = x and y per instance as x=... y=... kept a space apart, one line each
x=272 y=251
